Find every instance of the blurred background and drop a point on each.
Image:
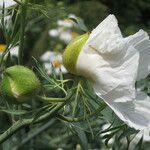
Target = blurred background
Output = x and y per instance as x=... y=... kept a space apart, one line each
x=48 y=15
x=49 y=26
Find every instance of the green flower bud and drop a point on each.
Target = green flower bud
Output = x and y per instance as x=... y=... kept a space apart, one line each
x=19 y=84
x=72 y=51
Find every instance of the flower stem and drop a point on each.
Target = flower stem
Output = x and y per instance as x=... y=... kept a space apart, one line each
x=22 y=32
x=50 y=99
x=35 y=133
x=24 y=122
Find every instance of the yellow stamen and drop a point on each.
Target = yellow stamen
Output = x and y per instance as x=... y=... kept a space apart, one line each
x=68 y=21
x=2 y=47
x=74 y=34
x=56 y=64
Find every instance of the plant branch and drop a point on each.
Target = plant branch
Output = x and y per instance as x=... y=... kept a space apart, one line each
x=24 y=122
x=82 y=118
x=50 y=99
x=35 y=133
x=22 y=32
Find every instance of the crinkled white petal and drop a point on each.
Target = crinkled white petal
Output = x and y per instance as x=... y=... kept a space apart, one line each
x=110 y=69
x=112 y=64
x=141 y=42
x=106 y=37
x=135 y=113
x=106 y=77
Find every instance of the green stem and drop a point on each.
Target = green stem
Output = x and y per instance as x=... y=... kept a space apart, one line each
x=82 y=118
x=50 y=99
x=24 y=122
x=34 y=134
x=22 y=32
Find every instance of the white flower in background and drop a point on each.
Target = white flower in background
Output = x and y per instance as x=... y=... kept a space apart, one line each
x=53 y=60
x=72 y=16
x=113 y=64
x=13 y=51
x=64 y=30
x=105 y=127
x=66 y=36
x=65 y=23
x=8 y=3
x=54 y=32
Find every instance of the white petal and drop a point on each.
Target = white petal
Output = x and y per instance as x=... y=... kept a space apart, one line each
x=106 y=75
x=135 y=113
x=106 y=37
x=111 y=63
x=141 y=42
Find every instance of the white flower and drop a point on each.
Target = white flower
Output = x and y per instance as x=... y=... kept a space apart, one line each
x=13 y=51
x=54 y=32
x=66 y=36
x=113 y=64
x=65 y=23
x=53 y=60
x=68 y=23
x=105 y=127
x=64 y=30
x=72 y=16
x=8 y=3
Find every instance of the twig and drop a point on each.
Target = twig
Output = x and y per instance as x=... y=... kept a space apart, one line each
x=49 y=99
x=34 y=134
x=24 y=122
x=22 y=32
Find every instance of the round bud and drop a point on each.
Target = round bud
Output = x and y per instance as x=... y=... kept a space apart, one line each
x=19 y=84
x=72 y=51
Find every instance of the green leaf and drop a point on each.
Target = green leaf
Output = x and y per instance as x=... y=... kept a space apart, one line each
x=41 y=111
x=127 y=132
x=139 y=145
x=14 y=112
x=82 y=137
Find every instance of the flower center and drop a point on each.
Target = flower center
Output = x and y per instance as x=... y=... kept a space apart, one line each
x=2 y=48
x=56 y=63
